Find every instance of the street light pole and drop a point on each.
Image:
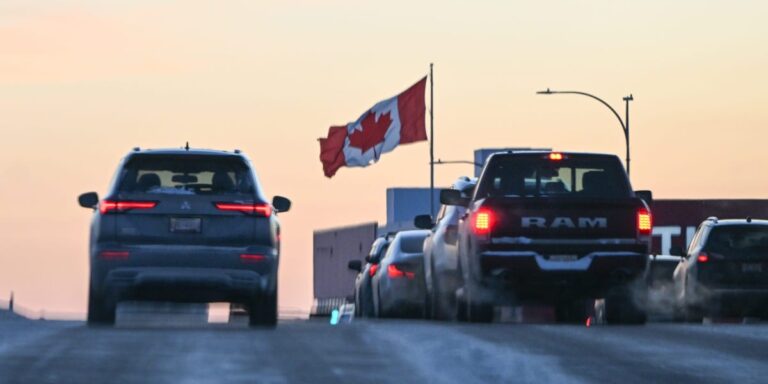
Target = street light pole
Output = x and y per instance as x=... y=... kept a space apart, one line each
x=624 y=123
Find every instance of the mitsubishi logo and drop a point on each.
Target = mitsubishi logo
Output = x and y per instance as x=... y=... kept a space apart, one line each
x=186 y=206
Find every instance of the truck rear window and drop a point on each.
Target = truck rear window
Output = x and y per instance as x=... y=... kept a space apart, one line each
x=538 y=176
x=187 y=175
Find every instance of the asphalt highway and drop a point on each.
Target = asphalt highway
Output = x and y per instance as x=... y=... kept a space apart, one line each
x=382 y=351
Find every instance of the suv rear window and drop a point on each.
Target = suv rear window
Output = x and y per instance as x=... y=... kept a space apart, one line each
x=738 y=240
x=186 y=174
x=537 y=175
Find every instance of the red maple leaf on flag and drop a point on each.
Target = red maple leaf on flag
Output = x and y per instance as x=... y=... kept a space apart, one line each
x=373 y=131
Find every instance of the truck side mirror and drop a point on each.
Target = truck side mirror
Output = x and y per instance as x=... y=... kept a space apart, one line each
x=355 y=265
x=453 y=197
x=423 y=222
x=647 y=196
x=88 y=200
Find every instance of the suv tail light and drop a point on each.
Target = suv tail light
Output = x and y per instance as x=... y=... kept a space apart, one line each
x=644 y=221
x=702 y=257
x=114 y=255
x=483 y=221
x=259 y=209
x=251 y=257
x=393 y=272
x=372 y=270
x=116 y=206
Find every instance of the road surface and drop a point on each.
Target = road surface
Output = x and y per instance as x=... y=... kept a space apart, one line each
x=394 y=351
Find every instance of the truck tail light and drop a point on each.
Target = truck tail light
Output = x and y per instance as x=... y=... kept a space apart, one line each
x=394 y=272
x=372 y=270
x=115 y=206
x=258 y=209
x=644 y=221
x=483 y=221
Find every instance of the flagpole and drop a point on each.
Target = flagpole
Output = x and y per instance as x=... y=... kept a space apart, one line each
x=431 y=143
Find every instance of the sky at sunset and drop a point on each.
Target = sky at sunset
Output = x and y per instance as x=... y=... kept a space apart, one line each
x=83 y=82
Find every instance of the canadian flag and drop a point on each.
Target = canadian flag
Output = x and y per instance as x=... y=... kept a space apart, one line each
x=389 y=123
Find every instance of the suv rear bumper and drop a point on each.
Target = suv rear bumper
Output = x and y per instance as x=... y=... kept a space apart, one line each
x=184 y=284
x=528 y=275
x=733 y=299
x=184 y=273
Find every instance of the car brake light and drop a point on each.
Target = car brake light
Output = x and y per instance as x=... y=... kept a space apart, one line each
x=114 y=255
x=644 y=221
x=394 y=273
x=108 y=206
x=483 y=221
x=702 y=258
x=372 y=270
x=555 y=156
x=251 y=257
x=261 y=209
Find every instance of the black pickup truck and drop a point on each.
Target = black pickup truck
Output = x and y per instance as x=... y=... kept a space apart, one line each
x=555 y=228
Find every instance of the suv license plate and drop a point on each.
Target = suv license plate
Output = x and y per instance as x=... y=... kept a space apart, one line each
x=185 y=225
x=563 y=257
x=751 y=267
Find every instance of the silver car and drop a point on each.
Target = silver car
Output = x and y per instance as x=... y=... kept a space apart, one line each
x=441 y=262
x=398 y=285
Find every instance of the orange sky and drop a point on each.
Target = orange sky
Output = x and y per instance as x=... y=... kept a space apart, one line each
x=81 y=83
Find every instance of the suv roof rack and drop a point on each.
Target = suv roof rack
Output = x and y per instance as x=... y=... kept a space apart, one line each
x=712 y=218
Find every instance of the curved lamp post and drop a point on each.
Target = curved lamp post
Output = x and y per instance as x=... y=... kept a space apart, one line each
x=624 y=123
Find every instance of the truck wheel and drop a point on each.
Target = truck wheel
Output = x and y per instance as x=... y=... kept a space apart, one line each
x=621 y=308
x=480 y=313
x=100 y=310
x=263 y=311
x=693 y=314
x=571 y=312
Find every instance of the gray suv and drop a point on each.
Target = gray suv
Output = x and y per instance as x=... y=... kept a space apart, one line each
x=724 y=272
x=188 y=226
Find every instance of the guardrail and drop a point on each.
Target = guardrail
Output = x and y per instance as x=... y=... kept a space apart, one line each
x=324 y=307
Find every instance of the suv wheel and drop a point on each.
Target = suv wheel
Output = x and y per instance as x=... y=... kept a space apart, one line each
x=571 y=312
x=263 y=312
x=100 y=310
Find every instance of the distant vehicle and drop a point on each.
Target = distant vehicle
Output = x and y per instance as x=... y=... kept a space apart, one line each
x=185 y=225
x=363 y=292
x=557 y=228
x=398 y=284
x=725 y=270
x=441 y=259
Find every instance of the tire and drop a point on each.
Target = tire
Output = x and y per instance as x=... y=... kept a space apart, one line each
x=358 y=308
x=621 y=308
x=460 y=313
x=571 y=312
x=480 y=313
x=442 y=306
x=263 y=311
x=693 y=314
x=100 y=310
x=477 y=312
